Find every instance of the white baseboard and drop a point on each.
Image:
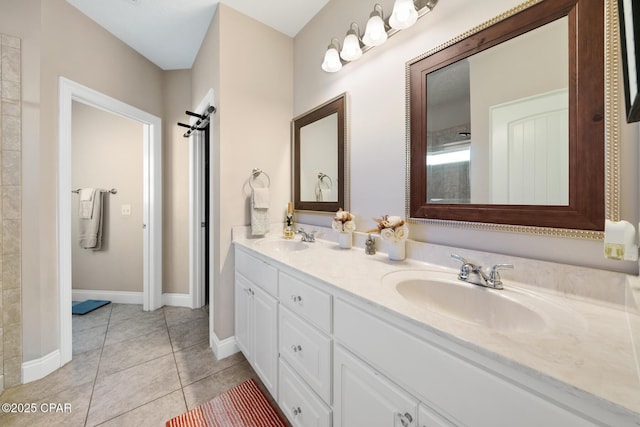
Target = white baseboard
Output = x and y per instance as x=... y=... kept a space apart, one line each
x=223 y=348
x=119 y=297
x=177 y=300
x=40 y=368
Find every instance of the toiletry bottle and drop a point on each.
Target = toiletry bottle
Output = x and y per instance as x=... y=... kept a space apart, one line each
x=289 y=231
x=370 y=246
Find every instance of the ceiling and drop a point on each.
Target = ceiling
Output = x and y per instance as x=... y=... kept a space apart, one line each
x=169 y=32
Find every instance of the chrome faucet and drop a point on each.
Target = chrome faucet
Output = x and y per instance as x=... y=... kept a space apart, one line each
x=307 y=237
x=475 y=274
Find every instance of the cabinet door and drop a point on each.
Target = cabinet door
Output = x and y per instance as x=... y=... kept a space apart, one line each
x=363 y=397
x=301 y=406
x=308 y=351
x=265 y=338
x=243 y=315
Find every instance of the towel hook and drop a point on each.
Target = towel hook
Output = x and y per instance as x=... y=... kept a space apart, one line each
x=255 y=174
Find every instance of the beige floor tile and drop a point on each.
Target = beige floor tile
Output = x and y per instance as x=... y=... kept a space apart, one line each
x=190 y=333
x=70 y=409
x=206 y=389
x=135 y=327
x=198 y=361
x=125 y=354
x=176 y=315
x=153 y=414
x=98 y=317
x=81 y=370
x=88 y=339
x=123 y=391
x=120 y=312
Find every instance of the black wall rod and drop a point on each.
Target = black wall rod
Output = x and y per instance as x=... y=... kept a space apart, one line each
x=201 y=124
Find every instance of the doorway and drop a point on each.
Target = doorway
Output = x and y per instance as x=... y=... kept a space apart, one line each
x=201 y=214
x=69 y=92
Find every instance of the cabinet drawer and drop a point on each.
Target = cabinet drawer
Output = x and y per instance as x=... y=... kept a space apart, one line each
x=475 y=395
x=298 y=403
x=308 y=351
x=306 y=301
x=259 y=272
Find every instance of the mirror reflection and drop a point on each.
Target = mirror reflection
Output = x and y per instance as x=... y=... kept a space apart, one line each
x=497 y=123
x=319 y=160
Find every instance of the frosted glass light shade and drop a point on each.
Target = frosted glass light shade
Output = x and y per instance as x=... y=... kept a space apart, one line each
x=404 y=14
x=351 y=48
x=374 y=34
x=331 y=62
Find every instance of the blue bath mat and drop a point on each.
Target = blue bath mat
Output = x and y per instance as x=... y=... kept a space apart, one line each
x=85 y=307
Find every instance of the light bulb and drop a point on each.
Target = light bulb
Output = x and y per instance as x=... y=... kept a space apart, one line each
x=331 y=62
x=351 y=47
x=404 y=14
x=374 y=34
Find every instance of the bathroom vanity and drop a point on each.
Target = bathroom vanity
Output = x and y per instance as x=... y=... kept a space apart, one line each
x=343 y=339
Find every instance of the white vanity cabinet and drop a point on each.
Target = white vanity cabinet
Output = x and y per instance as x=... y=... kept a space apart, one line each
x=463 y=390
x=256 y=317
x=304 y=334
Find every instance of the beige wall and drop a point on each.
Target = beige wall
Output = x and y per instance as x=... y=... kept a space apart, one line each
x=175 y=184
x=60 y=41
x=376 y=88
x=107 y=153
x=250 y=71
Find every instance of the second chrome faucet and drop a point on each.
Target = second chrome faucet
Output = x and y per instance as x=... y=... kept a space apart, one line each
x=475 y=274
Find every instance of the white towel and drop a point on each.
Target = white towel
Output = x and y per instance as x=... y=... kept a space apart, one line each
x=260 y=211
x=85 y=204
x=91 y=228
x=261 y=198
x=325 y=195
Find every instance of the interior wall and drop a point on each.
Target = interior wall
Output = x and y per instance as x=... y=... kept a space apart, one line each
x=376 y=91
x=73 y=46
x=106 y=154
x=251 y=72
x=175 y=185
x=11 y=190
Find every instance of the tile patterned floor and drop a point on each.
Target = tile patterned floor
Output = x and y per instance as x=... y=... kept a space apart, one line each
x=131 y=368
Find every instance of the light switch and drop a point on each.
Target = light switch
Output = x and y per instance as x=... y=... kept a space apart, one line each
x=126 y=210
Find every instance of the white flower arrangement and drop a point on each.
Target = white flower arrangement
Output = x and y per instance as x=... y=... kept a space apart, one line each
x=343 y=221
x=392 y=228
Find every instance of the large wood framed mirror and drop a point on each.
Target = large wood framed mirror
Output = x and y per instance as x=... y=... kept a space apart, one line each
x=319 y=158
x=507 y=122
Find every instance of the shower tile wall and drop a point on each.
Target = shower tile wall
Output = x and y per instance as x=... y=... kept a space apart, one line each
x=10 y=212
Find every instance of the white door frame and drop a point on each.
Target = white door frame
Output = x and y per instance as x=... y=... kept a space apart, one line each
x=196 y=211
x=69 y=91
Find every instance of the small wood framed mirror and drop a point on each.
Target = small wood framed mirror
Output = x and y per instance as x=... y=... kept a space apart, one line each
x=319 y=158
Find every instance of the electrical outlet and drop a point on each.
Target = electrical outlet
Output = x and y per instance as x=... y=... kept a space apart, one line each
x=126 y=210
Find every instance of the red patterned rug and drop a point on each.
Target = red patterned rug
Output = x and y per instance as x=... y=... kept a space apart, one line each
x=242 y=406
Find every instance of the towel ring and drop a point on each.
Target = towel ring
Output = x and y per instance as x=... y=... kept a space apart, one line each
x=255 y=174
x=322 y=176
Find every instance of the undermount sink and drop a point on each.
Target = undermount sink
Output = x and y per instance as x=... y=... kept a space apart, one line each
x=443 y=293
x=283 y=245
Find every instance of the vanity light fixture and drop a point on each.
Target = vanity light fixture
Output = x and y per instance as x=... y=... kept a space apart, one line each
x=332 y=62
x=405 y=14
x=351 y=49
x=375 y=33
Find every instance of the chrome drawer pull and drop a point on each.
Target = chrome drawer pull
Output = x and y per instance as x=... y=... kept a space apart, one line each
x=405 y=419
x=296 y=298
x=296 y=411
x=296 y=348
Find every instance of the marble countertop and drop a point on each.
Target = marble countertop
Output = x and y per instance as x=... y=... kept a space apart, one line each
x=589 y=344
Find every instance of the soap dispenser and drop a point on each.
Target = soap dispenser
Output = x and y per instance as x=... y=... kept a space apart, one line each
x=288 y=231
